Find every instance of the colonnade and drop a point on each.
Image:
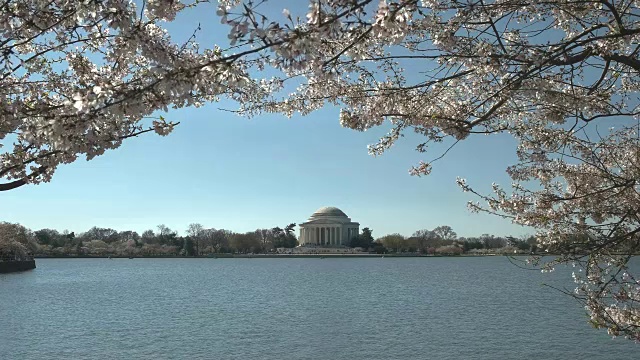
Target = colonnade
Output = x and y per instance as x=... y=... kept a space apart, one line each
x=327 y=235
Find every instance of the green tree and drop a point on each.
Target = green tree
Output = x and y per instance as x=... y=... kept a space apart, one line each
x=366 y=238
x=188 y=247
x=49 y=237
x=284 y=238
x=167 y=236
x=79 y=246
x=363 y=240
x=104 y=234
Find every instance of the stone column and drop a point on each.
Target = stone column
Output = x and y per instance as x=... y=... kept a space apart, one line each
x=328 y=241
x=330 y=235
x=327 y=236
x=333 y=235
x=333 y=240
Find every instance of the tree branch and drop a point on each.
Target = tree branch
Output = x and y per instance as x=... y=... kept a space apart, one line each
x=17 y=183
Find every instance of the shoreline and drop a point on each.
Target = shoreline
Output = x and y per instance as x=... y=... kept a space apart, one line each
x=273 y=256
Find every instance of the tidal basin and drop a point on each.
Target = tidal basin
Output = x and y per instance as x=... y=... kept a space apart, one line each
x=295 y=308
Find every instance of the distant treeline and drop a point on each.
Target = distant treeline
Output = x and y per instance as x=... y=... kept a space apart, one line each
x=444 y=241
x=17 y=240
x=162 y=242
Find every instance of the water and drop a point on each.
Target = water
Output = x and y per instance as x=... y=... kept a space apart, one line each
x=391 y=308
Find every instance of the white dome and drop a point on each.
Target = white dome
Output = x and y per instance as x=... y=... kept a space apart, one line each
x=328 y=211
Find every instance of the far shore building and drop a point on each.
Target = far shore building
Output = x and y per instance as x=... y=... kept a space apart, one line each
x=328 y=226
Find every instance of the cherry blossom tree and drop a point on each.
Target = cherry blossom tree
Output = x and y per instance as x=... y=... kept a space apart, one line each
x=16 y=241
x=79 y=77
x=554 y=75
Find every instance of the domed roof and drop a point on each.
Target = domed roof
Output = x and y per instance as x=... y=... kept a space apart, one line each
x=328 y=211
x=328 y=215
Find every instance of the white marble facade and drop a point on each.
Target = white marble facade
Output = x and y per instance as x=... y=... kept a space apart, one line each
x=328 y=226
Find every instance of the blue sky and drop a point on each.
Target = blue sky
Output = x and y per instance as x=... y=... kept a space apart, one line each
x=240 y=174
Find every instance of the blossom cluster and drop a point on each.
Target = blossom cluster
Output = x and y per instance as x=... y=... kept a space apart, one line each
x=77 y=78
x=546 y=73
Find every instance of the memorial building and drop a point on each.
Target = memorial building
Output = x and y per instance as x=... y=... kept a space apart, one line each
x=328 y=226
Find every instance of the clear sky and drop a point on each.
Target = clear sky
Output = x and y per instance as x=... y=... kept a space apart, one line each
x=224 y=171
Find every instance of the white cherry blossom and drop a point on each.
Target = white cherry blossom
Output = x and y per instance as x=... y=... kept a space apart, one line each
x=551 y=74
x=77 y=78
